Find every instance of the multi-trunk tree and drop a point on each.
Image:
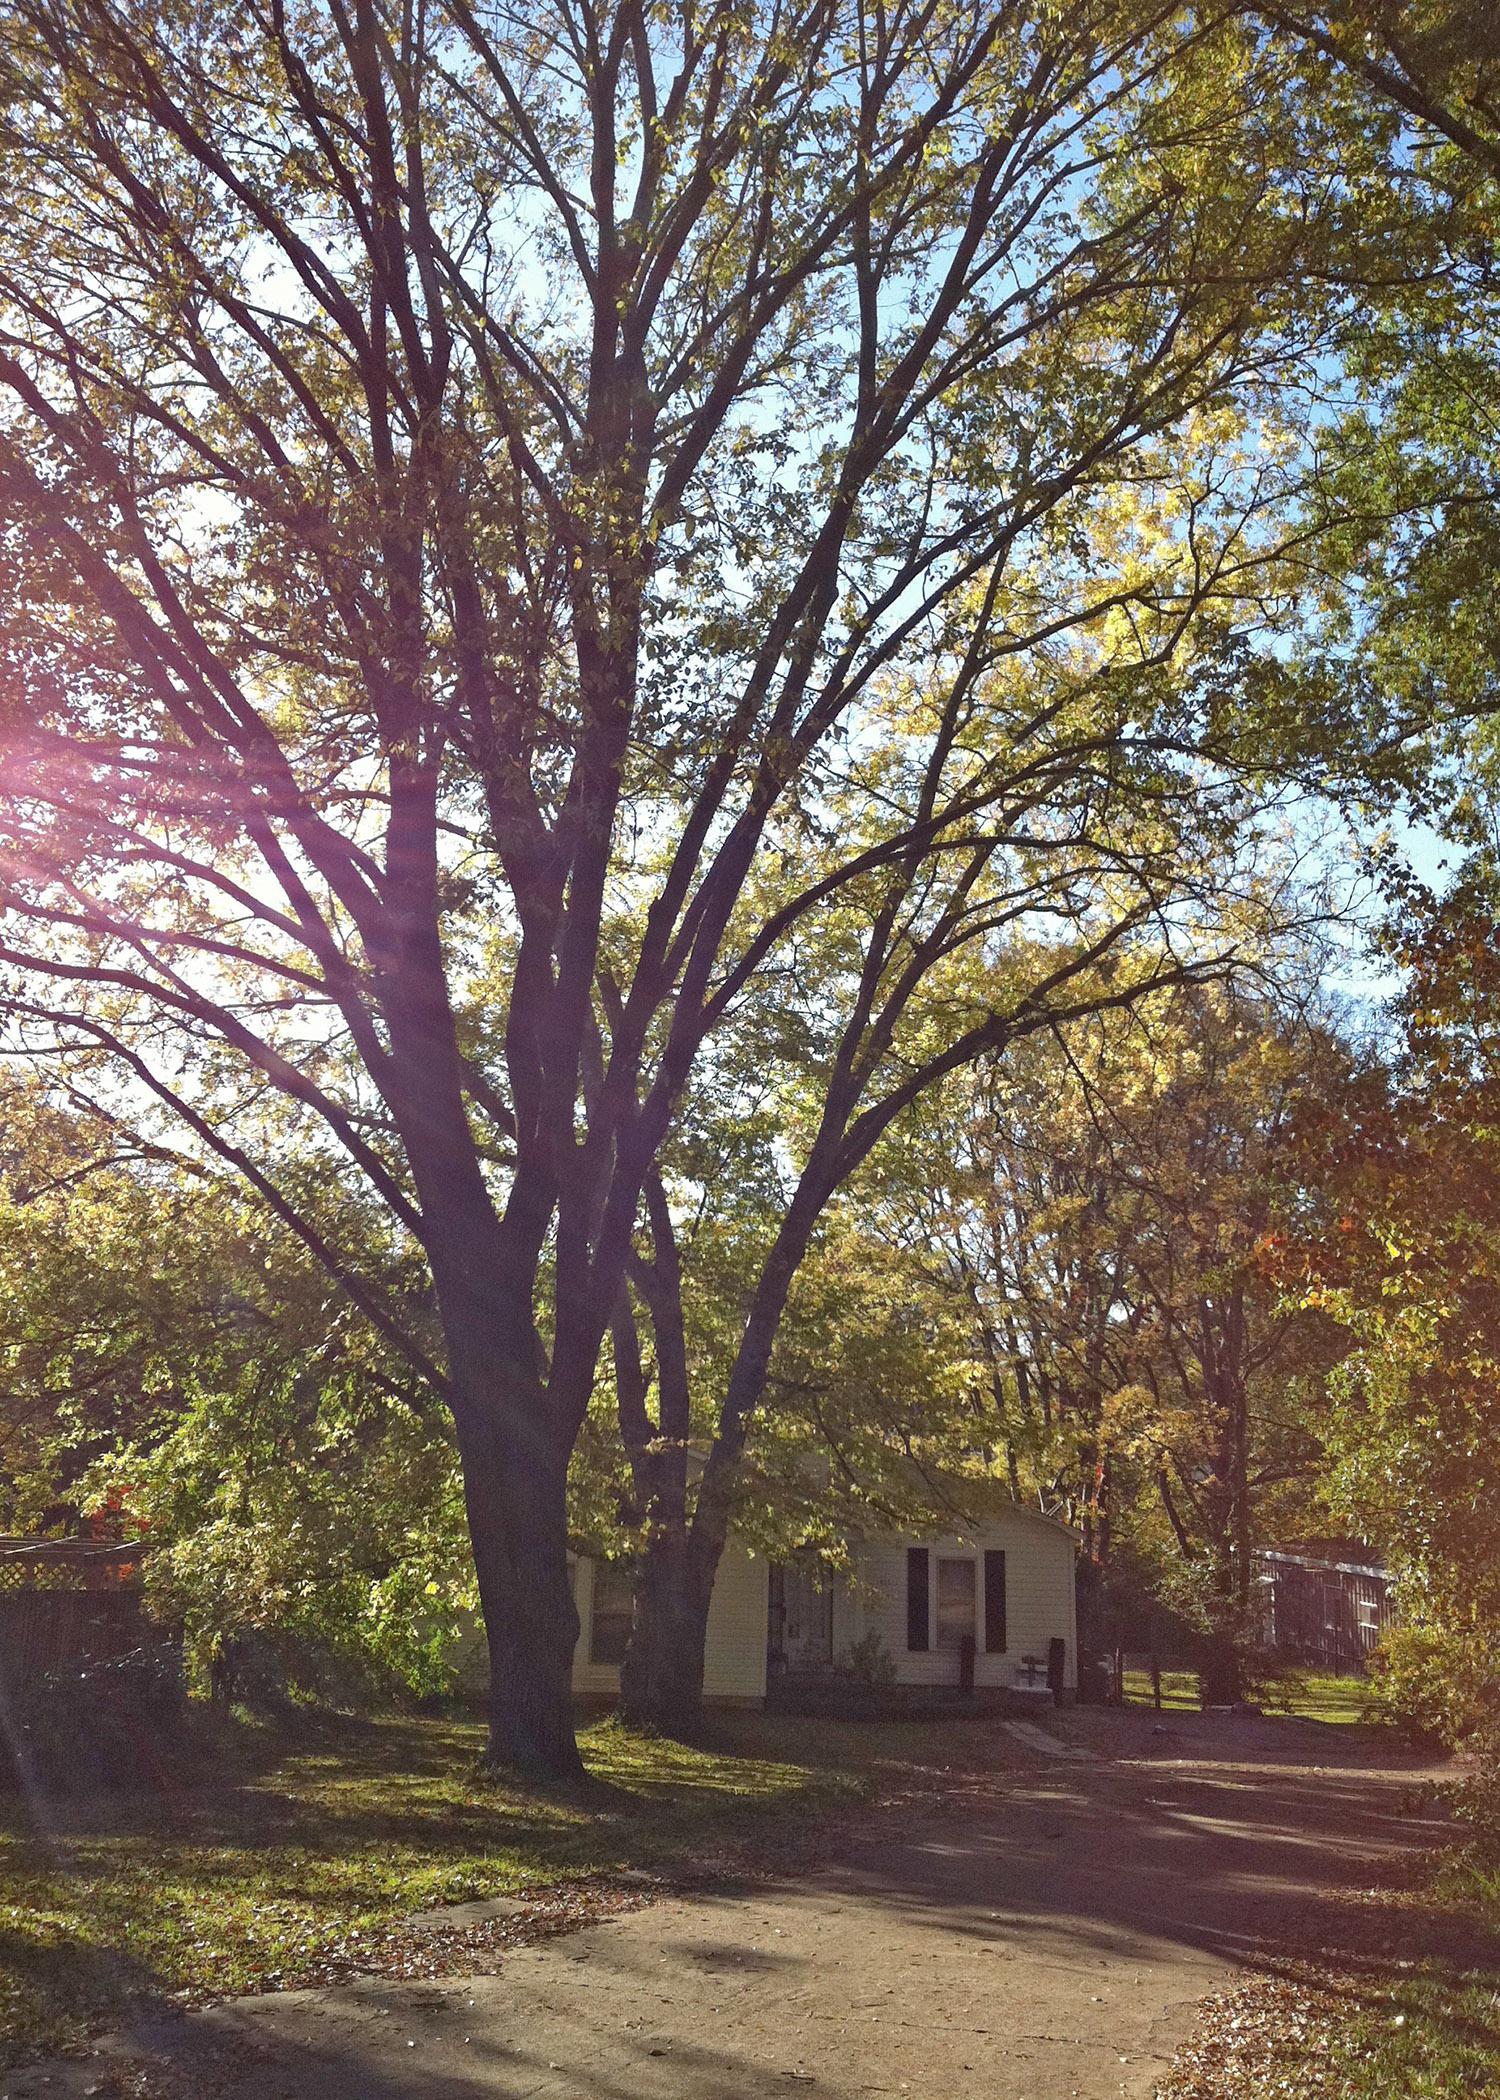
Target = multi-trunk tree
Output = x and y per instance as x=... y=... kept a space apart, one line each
x=480 y=486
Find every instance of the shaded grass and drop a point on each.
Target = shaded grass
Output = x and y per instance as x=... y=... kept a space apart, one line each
x=305 y=1848
x=1424 y=2029
x=1179 y=1690
x=1314 y=1698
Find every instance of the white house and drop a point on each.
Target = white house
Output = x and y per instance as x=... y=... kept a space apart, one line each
x=734 y=1661
x=990 y=1601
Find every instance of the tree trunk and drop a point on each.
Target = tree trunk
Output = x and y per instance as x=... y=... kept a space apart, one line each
x=671 y=1613
x=516 y=1498
x=1092 y=1645
x=514 y=1436
x=661 y=1681
x=1220 y=1673
x=670 y=1629
x=1223 y=1670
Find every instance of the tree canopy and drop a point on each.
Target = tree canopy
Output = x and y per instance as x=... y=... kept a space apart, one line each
x=523 y=522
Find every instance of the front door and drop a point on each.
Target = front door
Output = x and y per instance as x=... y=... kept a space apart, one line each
x=806 y=1618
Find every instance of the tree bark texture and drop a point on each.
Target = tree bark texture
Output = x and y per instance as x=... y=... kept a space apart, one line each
x=517 y=1511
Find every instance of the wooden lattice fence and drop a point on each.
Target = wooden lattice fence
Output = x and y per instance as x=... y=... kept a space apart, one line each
x=66 y=1601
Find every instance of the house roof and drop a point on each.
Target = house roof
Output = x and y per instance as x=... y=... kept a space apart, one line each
x=960 y=1522
x=1375 y=1569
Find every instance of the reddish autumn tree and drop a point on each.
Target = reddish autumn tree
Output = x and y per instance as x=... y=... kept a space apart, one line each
x=1411 y=1268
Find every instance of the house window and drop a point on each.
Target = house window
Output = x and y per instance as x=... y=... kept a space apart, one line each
x=955 y=1602
x=609 y=1620
x=807 y=1615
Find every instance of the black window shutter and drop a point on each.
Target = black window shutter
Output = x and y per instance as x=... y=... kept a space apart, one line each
x=916 y=1597
x=994 y=1603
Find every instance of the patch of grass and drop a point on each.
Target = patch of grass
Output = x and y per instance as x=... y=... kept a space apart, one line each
x=1418 y=2030
x=303 y=1850
x=1427 y=2035
x=1314 y=1698
x=1179 y=1690
x=1427 y=2029
x=1302 y=1693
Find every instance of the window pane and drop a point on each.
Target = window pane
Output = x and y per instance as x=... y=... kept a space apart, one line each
x=610 y=1629
x=955 y=1602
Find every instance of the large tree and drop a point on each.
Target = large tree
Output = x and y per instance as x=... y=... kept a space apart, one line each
x=473 y=478
x=1410 y=1164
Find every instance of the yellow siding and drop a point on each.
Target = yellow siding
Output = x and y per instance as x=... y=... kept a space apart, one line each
x=734 y=1662
x=1039 y=1599
x=593 y=1680
x=1039 y=1608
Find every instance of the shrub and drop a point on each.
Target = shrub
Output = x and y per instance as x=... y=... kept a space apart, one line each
x=1434 y=1686
x=276 y=1672
x=869 y=1661
x=90 y=1725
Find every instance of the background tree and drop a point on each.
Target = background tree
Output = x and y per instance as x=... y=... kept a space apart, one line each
x=97 y=1279
x=1104 y=1207
x=1224 y=1416
x=1407 y=1162
x=1413 y=1274
x=1409 y=452
x=173 y=1361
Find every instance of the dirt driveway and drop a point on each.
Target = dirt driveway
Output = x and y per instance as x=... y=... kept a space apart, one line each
x=1047 y=1937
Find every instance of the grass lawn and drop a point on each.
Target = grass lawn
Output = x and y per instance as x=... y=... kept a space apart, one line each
x=1427 y=2036
x=1423 y=2025
x=1407 y=2009
x=1427 y=2026
x=1314 y=1698
x=1301 y=1692
x=303 y=1853
x=1179 y=1690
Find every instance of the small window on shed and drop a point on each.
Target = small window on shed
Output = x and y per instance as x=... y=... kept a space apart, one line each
x=609 y=1624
